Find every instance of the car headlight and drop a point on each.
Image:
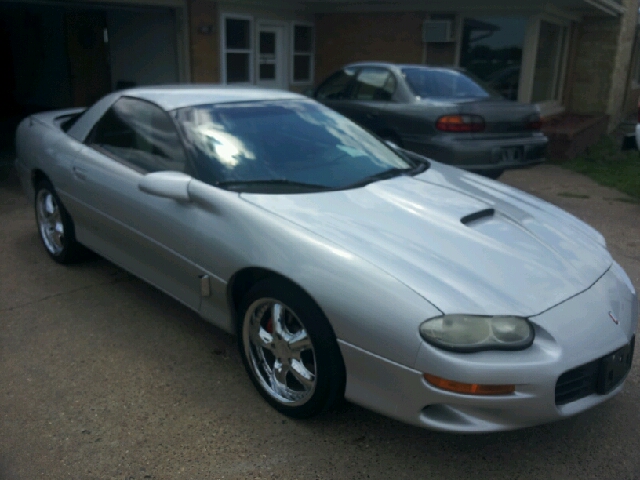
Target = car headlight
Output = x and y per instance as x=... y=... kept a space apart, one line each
x=473 y=333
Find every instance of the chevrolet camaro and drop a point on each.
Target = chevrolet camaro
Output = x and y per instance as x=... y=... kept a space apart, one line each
x=347 y=267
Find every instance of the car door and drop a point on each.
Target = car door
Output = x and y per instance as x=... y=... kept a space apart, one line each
x=335 y=91
x=372 y=98
x=145 y=234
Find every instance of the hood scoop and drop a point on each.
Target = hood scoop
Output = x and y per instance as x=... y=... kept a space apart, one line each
x=478 y=216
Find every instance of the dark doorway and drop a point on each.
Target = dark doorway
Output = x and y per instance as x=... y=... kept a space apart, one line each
x=88 y=53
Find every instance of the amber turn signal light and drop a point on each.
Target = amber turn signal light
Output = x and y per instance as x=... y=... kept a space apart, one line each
x=469 y=388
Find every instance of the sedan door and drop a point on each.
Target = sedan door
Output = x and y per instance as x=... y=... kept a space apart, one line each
x=372 y=105
x=147 y=235
x=335 y=91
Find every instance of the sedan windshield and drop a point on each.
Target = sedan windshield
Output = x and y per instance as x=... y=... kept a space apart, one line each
x=442 y=83
x=295 y=145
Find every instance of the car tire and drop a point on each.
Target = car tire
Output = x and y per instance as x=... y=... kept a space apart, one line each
x=289 y=349
x=492 y=174
x=55 y=227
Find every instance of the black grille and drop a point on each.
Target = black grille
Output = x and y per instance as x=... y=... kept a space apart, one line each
x=600 y=376
x=577 y=383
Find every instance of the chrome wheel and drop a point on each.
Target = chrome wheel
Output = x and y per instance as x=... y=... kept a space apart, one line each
x=50 y=222
x=279 y=352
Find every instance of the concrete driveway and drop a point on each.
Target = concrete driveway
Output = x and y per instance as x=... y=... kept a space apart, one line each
x=102 y=377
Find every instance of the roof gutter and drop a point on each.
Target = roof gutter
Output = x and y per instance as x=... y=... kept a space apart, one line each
x=608 y=6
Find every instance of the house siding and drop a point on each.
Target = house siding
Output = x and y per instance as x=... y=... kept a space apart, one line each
x=617 y=109
x=204 y=47
x=594 y=59
x=347 y=37
x=600 y=66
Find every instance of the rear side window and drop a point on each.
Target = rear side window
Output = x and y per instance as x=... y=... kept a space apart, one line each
x=139 y=135
x=336 y=87
x=442 y=83
x=375 y=84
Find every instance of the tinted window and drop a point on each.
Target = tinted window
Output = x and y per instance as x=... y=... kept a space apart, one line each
x=302 y=53
x=141 y=135
x=296 y=141
x=374 y=84
x=492 y=51
x=442 y=83
x=336 y=86
x=237 y=50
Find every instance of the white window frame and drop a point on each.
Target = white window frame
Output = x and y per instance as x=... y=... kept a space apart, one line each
x=224 y=50
x=527 y=74
x=312 y=54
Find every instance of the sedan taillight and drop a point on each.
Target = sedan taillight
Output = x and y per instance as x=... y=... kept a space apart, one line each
x=460 y=124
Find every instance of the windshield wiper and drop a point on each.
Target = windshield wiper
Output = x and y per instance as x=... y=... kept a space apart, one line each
x=387 y=174
x=271 y=182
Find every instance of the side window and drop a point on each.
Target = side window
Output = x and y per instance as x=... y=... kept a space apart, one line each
x=141 y=135
x=336 y=86
x=375 y=84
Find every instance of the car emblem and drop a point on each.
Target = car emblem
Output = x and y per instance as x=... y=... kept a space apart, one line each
x=615 y=320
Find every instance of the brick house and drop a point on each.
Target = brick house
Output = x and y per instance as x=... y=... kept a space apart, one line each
x=578 y=56
x=573 y=56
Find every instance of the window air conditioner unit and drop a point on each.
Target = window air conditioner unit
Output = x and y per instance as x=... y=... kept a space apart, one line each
x=438 y=31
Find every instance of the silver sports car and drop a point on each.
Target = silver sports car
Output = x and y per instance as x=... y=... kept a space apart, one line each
x=347 y=267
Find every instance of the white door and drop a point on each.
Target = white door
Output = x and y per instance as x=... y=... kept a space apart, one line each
x=271 y=64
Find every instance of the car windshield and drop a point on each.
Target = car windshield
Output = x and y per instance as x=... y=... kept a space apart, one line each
x=290 y=144
x=442 y=83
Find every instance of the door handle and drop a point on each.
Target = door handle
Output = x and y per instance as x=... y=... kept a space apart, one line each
x=78 y=173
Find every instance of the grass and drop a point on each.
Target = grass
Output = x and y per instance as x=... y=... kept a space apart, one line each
x=605 y=163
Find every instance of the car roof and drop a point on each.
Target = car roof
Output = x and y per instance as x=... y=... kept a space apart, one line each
x=397 y=65
x=171 y=97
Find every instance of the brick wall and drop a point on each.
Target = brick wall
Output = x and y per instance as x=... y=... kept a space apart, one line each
x=598 y=80
x=595 y=55
x=204 y=47
x=349 y=37
x=633 y=89
x=617 y=108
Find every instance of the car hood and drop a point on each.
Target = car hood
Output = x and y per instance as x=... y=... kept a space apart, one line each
x=465 y=243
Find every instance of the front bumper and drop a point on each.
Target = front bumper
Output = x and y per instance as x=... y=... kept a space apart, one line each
x=569 y=335
x=480 y=153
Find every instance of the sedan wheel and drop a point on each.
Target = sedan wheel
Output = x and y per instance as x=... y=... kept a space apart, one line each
x=55 y=225
x=289 y=349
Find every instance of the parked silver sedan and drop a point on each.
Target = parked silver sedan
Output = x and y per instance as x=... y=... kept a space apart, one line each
x=346 y=268
x=441 y=113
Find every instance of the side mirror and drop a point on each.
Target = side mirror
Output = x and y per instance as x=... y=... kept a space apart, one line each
x=174 y=185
